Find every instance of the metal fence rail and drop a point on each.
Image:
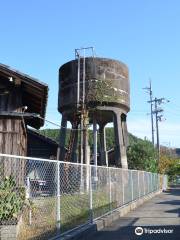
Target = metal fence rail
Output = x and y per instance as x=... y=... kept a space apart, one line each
x=61 y=196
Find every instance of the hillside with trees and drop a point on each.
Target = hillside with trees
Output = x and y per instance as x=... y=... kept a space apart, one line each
x=141 y=153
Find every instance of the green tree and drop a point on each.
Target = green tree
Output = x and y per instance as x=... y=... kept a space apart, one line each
x=174 y=170
x=142 y=155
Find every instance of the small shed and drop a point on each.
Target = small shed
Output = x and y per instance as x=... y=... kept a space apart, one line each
x=23 y=102
x=40 y=146
x=40 y=172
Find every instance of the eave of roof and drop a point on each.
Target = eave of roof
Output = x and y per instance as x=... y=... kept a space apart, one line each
x=42 y=137
x=35 y=93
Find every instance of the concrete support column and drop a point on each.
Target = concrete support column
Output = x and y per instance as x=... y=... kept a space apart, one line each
x=62 y=138
x=120 y=149
x=124 y=130
x=103 y=150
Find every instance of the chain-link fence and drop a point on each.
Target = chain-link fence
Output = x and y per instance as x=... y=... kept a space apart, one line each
x=54 y=197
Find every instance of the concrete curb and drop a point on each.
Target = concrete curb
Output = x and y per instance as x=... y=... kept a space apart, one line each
x=87 y=230
x=122 y=211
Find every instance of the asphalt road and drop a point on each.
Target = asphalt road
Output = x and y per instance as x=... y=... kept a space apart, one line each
x=159 y=219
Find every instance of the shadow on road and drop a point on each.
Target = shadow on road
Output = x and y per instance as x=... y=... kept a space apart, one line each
x=175 y=190
x=124 y=229
x=149 y=233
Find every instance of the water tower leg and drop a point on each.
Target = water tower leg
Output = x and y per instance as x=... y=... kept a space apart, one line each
x=62 y=137
x=124 y=129
x=120 y=149
x=103 y=151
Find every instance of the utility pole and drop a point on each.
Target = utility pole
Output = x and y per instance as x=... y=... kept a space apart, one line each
x=157 y=102
x=149 y=90
x=158 y=118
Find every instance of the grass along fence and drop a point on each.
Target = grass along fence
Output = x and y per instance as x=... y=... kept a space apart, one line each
x=62 y=196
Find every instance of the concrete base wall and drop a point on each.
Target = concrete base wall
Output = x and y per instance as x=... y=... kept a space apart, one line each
x=10 y=232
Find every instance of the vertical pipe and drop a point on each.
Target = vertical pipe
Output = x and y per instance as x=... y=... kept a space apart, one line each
x=105 y=147
x=58 y=215
x=78 y=80
x=81 y=146
x=86 y=148
x=90 y=193
x=81 y=156
x=95 y=144
x=84 y=77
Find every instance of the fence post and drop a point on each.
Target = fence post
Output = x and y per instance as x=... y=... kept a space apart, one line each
x=151 y=182
x=28 y=196
x=132 y=184
x=144 y=183
x=138 y=186
x=156 y=181
x=90 y=193
x=58 y=212
x=122 y=185
x=110 y=190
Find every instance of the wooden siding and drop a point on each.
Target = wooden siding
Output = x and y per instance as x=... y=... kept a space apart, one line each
x=13 y=136
x=13 y=141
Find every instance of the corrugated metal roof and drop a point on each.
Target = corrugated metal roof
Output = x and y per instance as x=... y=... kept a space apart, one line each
x=34 y=93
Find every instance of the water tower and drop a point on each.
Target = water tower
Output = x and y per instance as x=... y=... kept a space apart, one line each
x=95 y=91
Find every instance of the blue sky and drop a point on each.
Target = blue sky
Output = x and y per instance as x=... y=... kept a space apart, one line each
x=37 y=37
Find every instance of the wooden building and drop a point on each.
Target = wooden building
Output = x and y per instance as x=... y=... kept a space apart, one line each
x=23 y=102
x=40 y=172
x=41 y=146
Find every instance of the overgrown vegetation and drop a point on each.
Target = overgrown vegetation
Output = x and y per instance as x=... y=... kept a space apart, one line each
x=12 y=199
x=169 y=164
x=142 y=155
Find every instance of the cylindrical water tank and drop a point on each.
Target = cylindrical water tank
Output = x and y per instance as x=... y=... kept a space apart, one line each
x=106 y=84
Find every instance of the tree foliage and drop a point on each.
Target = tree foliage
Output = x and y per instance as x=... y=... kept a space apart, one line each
x=12 y=199
x=174 y=170
x=141 y=155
